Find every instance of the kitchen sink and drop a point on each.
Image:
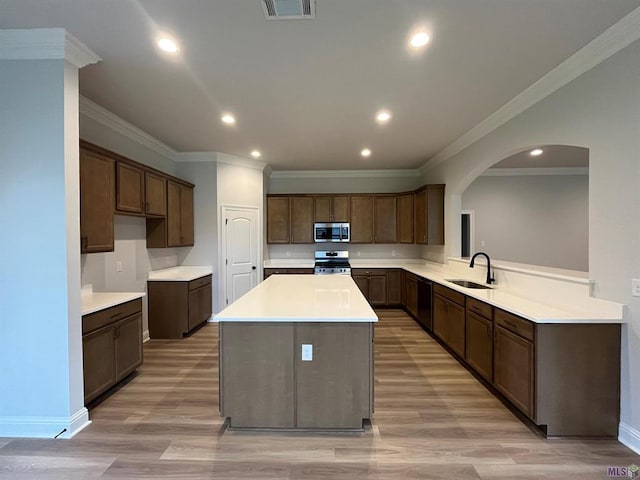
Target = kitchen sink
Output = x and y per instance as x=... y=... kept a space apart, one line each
x=468 y=284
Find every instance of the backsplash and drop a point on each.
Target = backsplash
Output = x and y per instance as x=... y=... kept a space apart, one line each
x=356 y=251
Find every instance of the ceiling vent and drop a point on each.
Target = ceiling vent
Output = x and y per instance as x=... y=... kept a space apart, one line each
x=289 y=9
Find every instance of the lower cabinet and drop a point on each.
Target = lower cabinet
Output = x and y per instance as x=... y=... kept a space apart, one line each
x=449 y=318
x=176 y=308
x=287 y=271
x=411 y=294
x=111 y=346
x=479 y=338
x=394 y=287
x=373 y=284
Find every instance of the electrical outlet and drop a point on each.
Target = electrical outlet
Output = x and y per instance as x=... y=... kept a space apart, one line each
x=118 y=266
x=635 y=287
x=358 y=253
x=482 y=243
x=288 y=254
x=307 y=352
x=393 y=253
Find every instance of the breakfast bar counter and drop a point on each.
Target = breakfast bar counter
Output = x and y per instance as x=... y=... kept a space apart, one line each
x=296 y=352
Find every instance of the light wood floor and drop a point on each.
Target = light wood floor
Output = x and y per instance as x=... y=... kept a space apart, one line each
x=433 y=420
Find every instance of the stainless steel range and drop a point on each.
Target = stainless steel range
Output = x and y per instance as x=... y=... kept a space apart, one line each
x=332 y=263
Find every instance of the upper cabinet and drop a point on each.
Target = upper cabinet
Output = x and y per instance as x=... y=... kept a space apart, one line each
x=429 y=209
x=302 y=219
x=278 y=220
x=97 y=189
x=385 y=222
x=111 y=183
x=155 y=194
x=129 y=189
x=406 y=218
x=362 y=219
x=331 y=209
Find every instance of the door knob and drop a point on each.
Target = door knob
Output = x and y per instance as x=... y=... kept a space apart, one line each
x=253 y=268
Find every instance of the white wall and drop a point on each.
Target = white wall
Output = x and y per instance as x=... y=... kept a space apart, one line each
x=534 y=219
x=348 y=182
x=599 y=110
x=41 y=387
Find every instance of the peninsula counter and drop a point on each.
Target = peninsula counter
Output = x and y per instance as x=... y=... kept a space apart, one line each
x=296 y=352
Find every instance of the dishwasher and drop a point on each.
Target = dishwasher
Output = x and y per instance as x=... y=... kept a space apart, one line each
x=425 y=302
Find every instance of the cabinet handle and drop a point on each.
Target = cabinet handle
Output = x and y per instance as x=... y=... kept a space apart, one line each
x=511 y=324
x=488 y=331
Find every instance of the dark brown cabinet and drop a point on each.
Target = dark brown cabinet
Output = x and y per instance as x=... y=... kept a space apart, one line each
x=278 y=220
x=411 y=293
x=394 y=287
x=449 y=318
x=406 y=218
x=429 y=210
x=97 y=191
x=372 y=284
x=385 y=223
x=362 y=219
x=180 y=231
x=479 y=344
x=155 y=194
x=513 y=373
x=301 y=220
x=111 y=346
x=176 y=308
x=129 y=189
x=331 y=209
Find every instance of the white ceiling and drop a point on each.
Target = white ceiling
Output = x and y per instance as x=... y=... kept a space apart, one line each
x=553 y=156
x=305 y=91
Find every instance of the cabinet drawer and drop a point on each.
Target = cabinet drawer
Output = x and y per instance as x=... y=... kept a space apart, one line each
x=368 y=271
x=199 y=282
x=449 y=294
x=479 y=307
x=300 y=271
x=93 y=321
x=514 y=324
x=411 y=277
x=275 y=271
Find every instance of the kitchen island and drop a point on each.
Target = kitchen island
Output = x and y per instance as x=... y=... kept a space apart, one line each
x=296 y=352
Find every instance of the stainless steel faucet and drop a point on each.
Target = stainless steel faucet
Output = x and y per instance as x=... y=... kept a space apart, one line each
x=490 y=278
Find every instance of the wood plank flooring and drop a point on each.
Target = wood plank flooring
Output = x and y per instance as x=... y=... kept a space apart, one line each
x=433 y=420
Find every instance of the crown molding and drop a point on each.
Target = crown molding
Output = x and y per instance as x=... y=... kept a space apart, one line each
x=195 y=157
x=345 y=173
x=611 y=41
x=519 y=172
x=240 y=162
x=110 y=120
x=45 y=44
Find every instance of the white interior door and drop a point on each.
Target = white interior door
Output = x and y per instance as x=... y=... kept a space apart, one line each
x=241 y=252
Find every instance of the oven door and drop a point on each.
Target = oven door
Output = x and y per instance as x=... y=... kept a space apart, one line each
x=331 y=232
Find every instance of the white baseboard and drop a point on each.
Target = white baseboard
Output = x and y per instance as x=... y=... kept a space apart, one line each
x=145 y=336
x=44 y=427
x=629 y=436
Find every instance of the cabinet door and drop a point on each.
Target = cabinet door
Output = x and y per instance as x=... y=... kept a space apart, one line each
x=456 y=328
x=206 y=305
x=278 y=220
x=128 y=333
x=322 y=209
x=302 y=215
x=194 y=317
x=394 y=287
x=361 y=219
x=440 y=317
x=385 y=219
x=513 y=369
x=173 y=214
x=130 y=188
x=479 y=345
x=435 y=214
x=406 y=218
x=378 y=289
x=421 y=217
x=186 y=216
x=412 y=297
x=97 y=192
x=155 y=193
x=362 y=281
x=340 y=209
x=98 y=359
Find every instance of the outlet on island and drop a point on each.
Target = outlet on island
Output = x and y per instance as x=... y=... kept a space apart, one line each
x=118 y=266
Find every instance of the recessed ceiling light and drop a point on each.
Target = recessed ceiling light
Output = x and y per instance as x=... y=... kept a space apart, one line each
x=228 y=119
x=365 y=152
x=255 y=154
x=383 y=116
x=536 y=152
x=420 y=39
x=168 y=45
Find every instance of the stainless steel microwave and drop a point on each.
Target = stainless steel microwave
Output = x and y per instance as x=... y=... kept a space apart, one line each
x=331 y=232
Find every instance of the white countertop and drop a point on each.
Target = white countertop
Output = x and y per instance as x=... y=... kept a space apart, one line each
x=179 y=274
x=301 y=298
x=92 y=302
x=586 y=310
